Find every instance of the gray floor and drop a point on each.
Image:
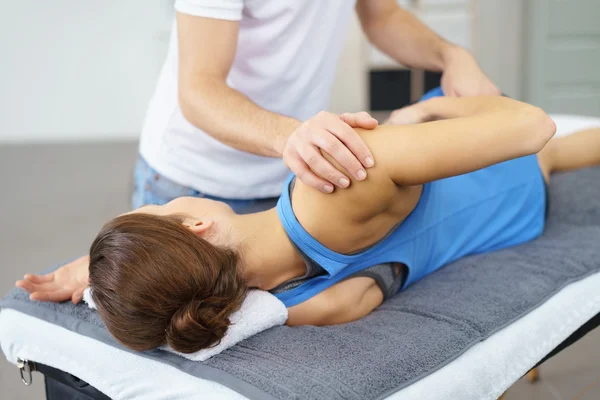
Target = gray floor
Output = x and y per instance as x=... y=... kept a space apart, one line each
x=55 y=198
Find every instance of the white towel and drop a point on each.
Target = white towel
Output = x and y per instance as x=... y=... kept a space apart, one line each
x=260 y=311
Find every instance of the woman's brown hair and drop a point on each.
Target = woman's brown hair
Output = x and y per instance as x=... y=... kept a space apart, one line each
x=155 y=282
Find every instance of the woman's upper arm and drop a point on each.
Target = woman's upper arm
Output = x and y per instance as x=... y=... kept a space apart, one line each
x=343 y=302
x=421 y=153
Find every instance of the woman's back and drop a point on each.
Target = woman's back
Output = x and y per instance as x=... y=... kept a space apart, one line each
x=422 y=226
x=408 y=156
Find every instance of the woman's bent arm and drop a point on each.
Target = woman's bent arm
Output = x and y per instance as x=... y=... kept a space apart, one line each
x=474 y=133
x=344 y=302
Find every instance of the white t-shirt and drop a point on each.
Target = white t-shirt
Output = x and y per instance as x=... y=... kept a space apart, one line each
x=285 y=62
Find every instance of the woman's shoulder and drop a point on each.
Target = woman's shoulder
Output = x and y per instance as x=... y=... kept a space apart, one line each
x=356 y=217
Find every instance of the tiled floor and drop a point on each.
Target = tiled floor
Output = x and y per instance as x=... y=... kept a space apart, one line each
x=54 y=198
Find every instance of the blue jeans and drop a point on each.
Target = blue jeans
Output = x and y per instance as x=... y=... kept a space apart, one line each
x=150 y=187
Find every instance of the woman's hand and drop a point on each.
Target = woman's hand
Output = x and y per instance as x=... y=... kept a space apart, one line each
x=67 y=282
x=413 y=114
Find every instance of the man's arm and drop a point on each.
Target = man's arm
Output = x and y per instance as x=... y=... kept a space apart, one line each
x=403 y=37
x=206 y=52
x=207 y=49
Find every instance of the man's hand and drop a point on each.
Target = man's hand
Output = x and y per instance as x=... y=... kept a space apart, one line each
x=463 y=77
x=66 y=283
x=334 y=135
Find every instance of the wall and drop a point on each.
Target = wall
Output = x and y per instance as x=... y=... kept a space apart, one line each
x=78 y=70
x=563 y=56
x=499 y=48
x=72 y=70
x=350 y=87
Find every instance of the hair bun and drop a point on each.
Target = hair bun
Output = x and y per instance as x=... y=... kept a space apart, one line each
x=197 y=325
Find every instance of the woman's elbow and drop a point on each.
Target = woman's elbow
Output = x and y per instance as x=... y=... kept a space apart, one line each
x=542 y=129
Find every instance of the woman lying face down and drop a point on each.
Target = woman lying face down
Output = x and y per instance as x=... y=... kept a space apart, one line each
x=439 y=191
x=156 y=280
x=173 y=274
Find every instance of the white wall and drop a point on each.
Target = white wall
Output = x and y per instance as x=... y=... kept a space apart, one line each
x=563 y=54
x=75 y=70
x=499 y=34
x=350 y=87
x=79 y=70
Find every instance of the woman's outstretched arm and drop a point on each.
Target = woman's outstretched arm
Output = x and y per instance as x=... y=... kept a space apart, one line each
x=66 y=283
x=466 y=134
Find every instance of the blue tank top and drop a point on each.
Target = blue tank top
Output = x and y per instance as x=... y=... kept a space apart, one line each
x=479 y=212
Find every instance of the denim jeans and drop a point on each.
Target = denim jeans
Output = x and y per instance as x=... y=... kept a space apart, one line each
x=150 y=187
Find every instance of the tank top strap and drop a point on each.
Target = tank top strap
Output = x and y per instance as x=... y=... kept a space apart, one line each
x=330 y=260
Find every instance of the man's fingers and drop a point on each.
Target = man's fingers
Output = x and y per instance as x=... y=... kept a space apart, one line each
x=319 y=165
x=39 y=278
x=352 y=140
x=366 y=121
x=356 y=145
x=332 y=134
x=336 y=149
x=309 y=178
x=359 y=120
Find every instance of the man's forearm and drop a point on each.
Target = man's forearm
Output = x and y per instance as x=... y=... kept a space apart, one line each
x=403 y=37
x=234 y=119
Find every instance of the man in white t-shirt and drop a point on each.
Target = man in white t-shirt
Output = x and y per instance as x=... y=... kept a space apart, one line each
x=244 y=86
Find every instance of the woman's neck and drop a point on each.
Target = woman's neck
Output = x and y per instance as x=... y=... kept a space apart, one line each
x=267 y=256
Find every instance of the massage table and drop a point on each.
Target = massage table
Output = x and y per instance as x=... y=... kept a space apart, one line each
x=468 y=331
